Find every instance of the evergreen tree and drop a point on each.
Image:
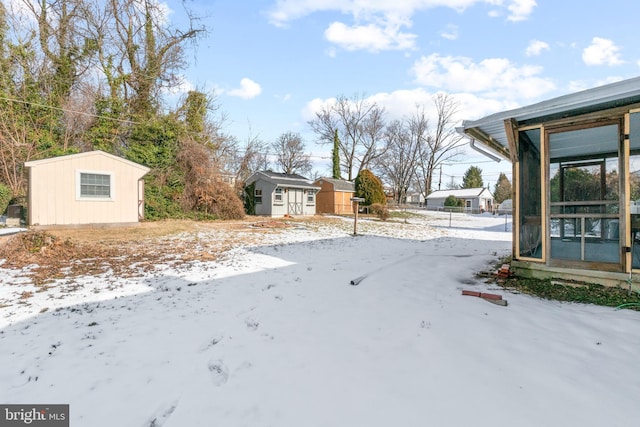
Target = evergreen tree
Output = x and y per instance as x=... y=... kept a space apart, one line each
x=472 y=178
x=369 y=187
x=336 y=156
x=502 y=189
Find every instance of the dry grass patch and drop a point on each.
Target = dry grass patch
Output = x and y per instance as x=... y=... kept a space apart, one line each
x=132 y=251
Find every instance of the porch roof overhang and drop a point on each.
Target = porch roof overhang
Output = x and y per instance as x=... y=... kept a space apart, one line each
x=496 y=130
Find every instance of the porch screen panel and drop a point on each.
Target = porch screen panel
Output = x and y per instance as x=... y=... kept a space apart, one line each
x=634 y=186
x=530 y=194
x=584 y=194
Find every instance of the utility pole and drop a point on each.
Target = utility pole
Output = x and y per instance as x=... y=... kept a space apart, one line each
x=440 y=179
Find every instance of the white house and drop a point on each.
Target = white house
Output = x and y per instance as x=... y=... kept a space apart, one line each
x=279 y=194
x=475 y=199
x=87 y=188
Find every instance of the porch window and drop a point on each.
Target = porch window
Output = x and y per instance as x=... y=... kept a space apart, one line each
x=257 y=195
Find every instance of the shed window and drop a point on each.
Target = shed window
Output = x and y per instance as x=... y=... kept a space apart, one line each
x=278 y=195
x=257 y=195
x=311 y=197
x=95 y=185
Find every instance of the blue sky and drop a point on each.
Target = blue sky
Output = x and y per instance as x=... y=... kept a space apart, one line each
x=273 y=62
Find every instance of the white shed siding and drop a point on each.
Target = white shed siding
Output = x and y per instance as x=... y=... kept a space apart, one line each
x=53 y=190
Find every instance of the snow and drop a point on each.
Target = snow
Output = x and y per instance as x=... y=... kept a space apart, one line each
x=274 y=335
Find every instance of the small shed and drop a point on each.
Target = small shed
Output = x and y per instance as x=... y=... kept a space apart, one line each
x=576 y=193
x=475 y=200
x=334 y=196
x=87 y=188
x=279 y=194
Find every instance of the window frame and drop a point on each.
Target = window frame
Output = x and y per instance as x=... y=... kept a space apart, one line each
x=257 y=196
x=311 y=197
x=95 y=198
x=278 y=196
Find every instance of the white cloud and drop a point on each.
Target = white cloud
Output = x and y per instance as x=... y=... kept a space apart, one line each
x=536 y=47
x=450 y=33
x=494 y=77
x=369 y=37
x=248 y=89
x=383 y=20
x=401 y=104
x=602 y=52
x=520 y=9
x=579 y=85
x=182 y=86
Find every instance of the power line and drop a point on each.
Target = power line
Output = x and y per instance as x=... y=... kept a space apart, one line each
x=66 y=110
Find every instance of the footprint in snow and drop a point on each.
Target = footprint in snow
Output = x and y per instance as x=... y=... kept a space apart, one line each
x=213 y=341
x=252 y=324
x=219 y=372
x=158 y=419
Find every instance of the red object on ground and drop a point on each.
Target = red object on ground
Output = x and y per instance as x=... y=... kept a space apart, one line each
x=482 y=295
x=471 y=293
x=504 y=271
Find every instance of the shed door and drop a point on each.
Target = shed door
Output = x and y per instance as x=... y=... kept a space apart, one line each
x=294 y=206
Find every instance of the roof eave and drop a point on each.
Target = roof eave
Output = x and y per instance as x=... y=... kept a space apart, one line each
x=488 y=141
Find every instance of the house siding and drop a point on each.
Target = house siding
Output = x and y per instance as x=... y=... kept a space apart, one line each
x=266 y=207
x=53 y=187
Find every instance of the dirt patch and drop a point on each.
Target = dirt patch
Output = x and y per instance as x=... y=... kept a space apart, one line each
x=47 y=255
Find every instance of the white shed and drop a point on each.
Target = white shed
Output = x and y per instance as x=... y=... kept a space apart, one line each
x=279 y=194
x=87 y=188
x=475 y=199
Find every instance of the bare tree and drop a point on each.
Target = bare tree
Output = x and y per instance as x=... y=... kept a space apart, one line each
x=290 y=154
x=250 y=158
x=439 y=144
x=138 y=52
x=398 y=165
x=360 y=125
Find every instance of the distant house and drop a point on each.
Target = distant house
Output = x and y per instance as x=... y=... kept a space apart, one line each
x=415 y=198
x=228 y=178
x=279 y=194
x=87 y=188
x=334 y=196
x=475 y=199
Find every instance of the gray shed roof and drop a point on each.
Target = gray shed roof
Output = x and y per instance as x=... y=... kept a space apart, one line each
x=283 y=180
x=490 y=130
x=340 y=184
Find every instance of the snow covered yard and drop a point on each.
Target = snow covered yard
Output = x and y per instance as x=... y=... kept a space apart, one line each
x=272 y=334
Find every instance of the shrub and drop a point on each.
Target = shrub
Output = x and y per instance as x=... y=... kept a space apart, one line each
x=381 y=211
x=453 y=201
x=250 y=199
x=204 y=192
x=369 y=187
x=5 y=197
